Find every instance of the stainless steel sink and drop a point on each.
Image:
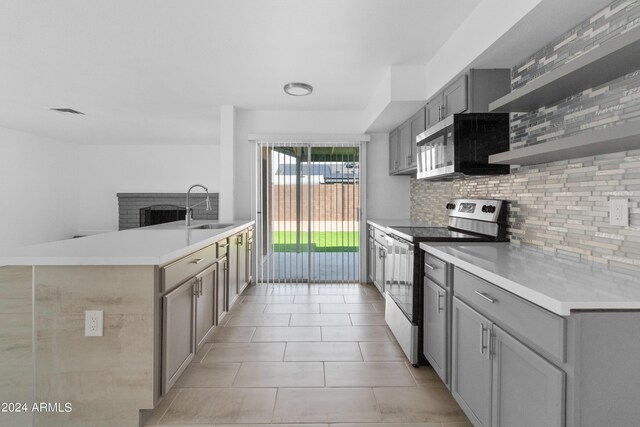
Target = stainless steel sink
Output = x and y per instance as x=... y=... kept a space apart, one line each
x=210 y=226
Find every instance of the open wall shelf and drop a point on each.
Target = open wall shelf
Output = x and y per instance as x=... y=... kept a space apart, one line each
x=615 y=58
x=609 y=140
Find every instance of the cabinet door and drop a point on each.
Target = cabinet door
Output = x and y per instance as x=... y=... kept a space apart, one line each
x=528 y=391
x=232 y=274
x=222 y=289
x=393 y=152
x=434 y=110
x=404 y=135
x=435 y=328
x=455 y=97
x=418 y=123
x=371 y=260
x=178 y=340
x=205 y=303
x=380 y=255
x=471 y=364
x=249 y=270
x=242 y=262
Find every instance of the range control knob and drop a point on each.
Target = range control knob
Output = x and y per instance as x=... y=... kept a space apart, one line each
x=491 y=209
x=451 y=206
x=484 y=208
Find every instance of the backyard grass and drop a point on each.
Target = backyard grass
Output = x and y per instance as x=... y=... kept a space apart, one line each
x=321 y=241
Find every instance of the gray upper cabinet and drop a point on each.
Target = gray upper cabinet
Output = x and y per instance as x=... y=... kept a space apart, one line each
x=455 y=97
x=404 y=133
x=418 y=125
x=471 y=92
x=527 y=390
x=434 y=109
x=393 y=152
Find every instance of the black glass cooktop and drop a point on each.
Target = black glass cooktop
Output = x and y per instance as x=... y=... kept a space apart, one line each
x=437 y=234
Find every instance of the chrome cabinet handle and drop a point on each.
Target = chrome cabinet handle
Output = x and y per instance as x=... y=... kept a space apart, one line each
x=482 y=345
x=485 y=296
x=430 y=267
x=440 y=296
x=239 y=239
x=223 y=245
x=197 y=261
x=200 y=286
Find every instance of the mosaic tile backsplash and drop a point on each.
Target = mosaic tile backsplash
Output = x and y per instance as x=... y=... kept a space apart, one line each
x=563 y=207
x=613 y=20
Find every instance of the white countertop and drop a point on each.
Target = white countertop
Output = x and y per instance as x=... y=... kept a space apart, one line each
x=555 y=283
x=155 y=245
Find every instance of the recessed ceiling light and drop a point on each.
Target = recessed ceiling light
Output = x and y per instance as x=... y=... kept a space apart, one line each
x=298 y=89
x=67 y=111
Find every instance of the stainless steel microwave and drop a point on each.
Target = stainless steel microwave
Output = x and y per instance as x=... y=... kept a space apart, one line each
x=461 y=145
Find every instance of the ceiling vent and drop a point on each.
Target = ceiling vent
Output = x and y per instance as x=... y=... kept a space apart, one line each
x=67 y=111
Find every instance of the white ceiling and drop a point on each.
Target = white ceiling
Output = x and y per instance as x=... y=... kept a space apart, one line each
x=156 y=71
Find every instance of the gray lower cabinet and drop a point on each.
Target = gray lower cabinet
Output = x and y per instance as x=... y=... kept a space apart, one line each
x=232 y=271
x=205 y=304
x=178 y=344
x=242 y=239
x=527 y=390
x=249 y=269
x=380 y=270
x=435 y=328
x=470 y=364
x=371 y=257
x=221 y=289
x=497 y=380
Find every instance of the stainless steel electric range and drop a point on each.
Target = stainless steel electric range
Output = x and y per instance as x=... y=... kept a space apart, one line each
x=470 y=220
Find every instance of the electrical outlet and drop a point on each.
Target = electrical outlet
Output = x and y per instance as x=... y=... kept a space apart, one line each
x=93 y=323
x=619 y=212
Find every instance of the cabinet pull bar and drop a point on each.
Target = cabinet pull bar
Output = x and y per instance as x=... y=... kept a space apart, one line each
x=430 y=267
x=440 y=295
x=481 y=338
x=197 y=261
x=223 y=245
x=485 y=296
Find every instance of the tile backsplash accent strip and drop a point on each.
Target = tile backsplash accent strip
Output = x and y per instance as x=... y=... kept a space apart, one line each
x=617 y=18
x=560 y=207
x=129 y=205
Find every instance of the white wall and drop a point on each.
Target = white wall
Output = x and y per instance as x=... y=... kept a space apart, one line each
x=37 y=185
x=310 y=123
x=387 y=196
x=106 y=170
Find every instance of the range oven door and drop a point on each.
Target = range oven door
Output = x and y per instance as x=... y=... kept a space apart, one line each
x=399 y=307
x=436 y=154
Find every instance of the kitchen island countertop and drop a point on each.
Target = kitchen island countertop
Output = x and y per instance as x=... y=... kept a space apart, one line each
x=558 y=284
x=155 y=245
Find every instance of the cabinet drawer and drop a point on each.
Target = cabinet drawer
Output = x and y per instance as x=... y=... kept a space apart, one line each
x=223 y=247
x=543 y=329
x=176 y=272
x=380 y=235
x=435 y=269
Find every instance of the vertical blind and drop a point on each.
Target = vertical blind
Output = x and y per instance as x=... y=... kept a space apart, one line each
x=308 y=212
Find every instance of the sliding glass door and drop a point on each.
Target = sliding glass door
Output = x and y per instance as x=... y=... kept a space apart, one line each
x=309 y=213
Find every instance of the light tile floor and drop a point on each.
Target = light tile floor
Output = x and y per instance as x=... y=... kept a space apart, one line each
x=307 y=354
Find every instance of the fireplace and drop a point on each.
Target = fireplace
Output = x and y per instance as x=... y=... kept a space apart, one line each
x=140 y=209
x=159 y=214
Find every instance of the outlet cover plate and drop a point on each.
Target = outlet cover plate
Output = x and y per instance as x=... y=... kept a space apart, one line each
x=93 y=321
x=619 y=212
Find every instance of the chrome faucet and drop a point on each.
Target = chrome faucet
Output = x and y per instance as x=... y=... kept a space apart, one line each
x=190 y=208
